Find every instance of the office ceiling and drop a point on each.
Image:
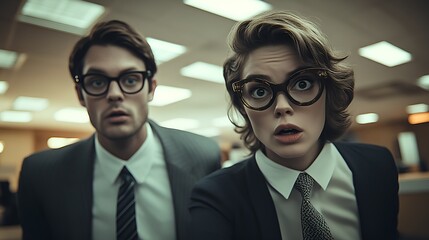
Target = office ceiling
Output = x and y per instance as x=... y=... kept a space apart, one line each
x=349 y=25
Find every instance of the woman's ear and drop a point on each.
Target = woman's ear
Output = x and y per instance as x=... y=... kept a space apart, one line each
x=79 y=94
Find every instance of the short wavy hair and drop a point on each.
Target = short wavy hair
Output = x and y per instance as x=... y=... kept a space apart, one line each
x=311 y=45
x=113 y=32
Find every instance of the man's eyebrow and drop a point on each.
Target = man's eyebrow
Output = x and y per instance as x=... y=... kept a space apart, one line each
x=99 y=71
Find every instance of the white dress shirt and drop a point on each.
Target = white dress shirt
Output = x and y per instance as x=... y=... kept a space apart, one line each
x=333 y=194
x=154 y=204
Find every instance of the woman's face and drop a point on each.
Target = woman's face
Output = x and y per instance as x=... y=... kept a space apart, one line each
x=290 y=133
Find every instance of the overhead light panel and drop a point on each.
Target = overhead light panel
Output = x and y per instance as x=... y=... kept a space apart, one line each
x=72 y=16
x=423 y=82
x=30 y=103
x=16 y=116
x=57 y=142
x=74 y=115
x=417 y=108
x=3 y=86
x=367 y=118
x=237 y=10
x=181 y=123
x=204 y=71
x=385 y=53
x=418 y=118
x=165 y=51
x=165 y=95
x=8 y=58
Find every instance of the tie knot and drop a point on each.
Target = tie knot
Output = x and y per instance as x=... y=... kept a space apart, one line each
x=304 y=184
x=126 y=176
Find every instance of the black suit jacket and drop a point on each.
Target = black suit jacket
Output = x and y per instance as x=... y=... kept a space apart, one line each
x=235 y=203
x=55 y=186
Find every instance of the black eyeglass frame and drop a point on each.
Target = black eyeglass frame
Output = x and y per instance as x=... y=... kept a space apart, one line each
x=79 y=79
x=237 y=88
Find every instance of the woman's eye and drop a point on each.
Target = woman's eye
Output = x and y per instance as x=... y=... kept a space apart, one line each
x=302 y=85
x=259 y=92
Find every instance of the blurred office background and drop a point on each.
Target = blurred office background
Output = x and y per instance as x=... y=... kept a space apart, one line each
x=39 y=108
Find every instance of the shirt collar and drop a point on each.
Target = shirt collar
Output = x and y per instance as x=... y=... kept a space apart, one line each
x=282 y=179
x=138 y=165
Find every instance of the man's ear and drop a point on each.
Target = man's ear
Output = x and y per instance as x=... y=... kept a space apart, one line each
x=79 y=94
x=152 y=89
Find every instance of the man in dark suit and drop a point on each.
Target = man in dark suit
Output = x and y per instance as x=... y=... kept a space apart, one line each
x=293 y=92
x=132 y=178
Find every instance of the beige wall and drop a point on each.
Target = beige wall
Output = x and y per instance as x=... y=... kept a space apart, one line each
x=19 y=143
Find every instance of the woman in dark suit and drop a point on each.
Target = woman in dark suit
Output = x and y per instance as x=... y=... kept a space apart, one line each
x=293 y=91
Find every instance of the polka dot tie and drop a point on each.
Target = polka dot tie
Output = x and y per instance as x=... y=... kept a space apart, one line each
x=313 y=225
x=126 y=228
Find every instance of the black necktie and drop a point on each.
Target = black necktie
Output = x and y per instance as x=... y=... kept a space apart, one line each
x=126 y=228
x=313 y=225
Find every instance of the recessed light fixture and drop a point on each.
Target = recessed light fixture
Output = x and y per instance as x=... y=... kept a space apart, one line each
x=72 y=16
x=165 y=95
x=418 y=118
x=1 y=146
x=367 y=118
x=165 y=51
x=181 y=123
x=3 y=86
x=237 y=10
x=30 y=103
x=203 y=71
x=423 y=82
x=57 y=142
x=15 y=116
x=385 y=53
x=208 y=132
x=8 y=58
x=74 y=115
x=417 y=108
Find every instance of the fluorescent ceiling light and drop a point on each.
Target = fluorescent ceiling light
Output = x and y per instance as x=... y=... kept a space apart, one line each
x=237 y=10
x=208 y=132
x=7 y=58
x=385 y=53
x=203 y=71
x=1 y=146
x=418 y=118
x=57 y=142
x=165 y=51
x=367 y=118
x=165 y=95
x=181 y=123
x=417 y=108
x=75 y=115
x=3 y=86
x=222 y=122
x=423 y=82
x=15 y=116
x=73 y=16
x=30 y=104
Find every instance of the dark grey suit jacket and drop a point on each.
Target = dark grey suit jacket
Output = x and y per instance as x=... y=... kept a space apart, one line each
x=55 y=186
x=235 y=203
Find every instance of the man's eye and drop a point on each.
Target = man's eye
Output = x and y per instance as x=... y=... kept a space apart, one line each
x=96 y=82
x=131 y=79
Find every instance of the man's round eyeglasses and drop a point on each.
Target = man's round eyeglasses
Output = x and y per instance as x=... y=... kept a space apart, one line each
x=96 y=84
x=302 y=88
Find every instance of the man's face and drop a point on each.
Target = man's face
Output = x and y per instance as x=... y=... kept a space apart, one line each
x=116 y=115
x=289 y=132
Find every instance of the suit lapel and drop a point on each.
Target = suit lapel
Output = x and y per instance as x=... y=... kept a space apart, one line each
x=262 y=202
x=80 y=187
x=181 y=181
x=362 y=183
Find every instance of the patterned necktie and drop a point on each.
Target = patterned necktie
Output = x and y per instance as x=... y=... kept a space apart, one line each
x=126 y=228
x=313 y=225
